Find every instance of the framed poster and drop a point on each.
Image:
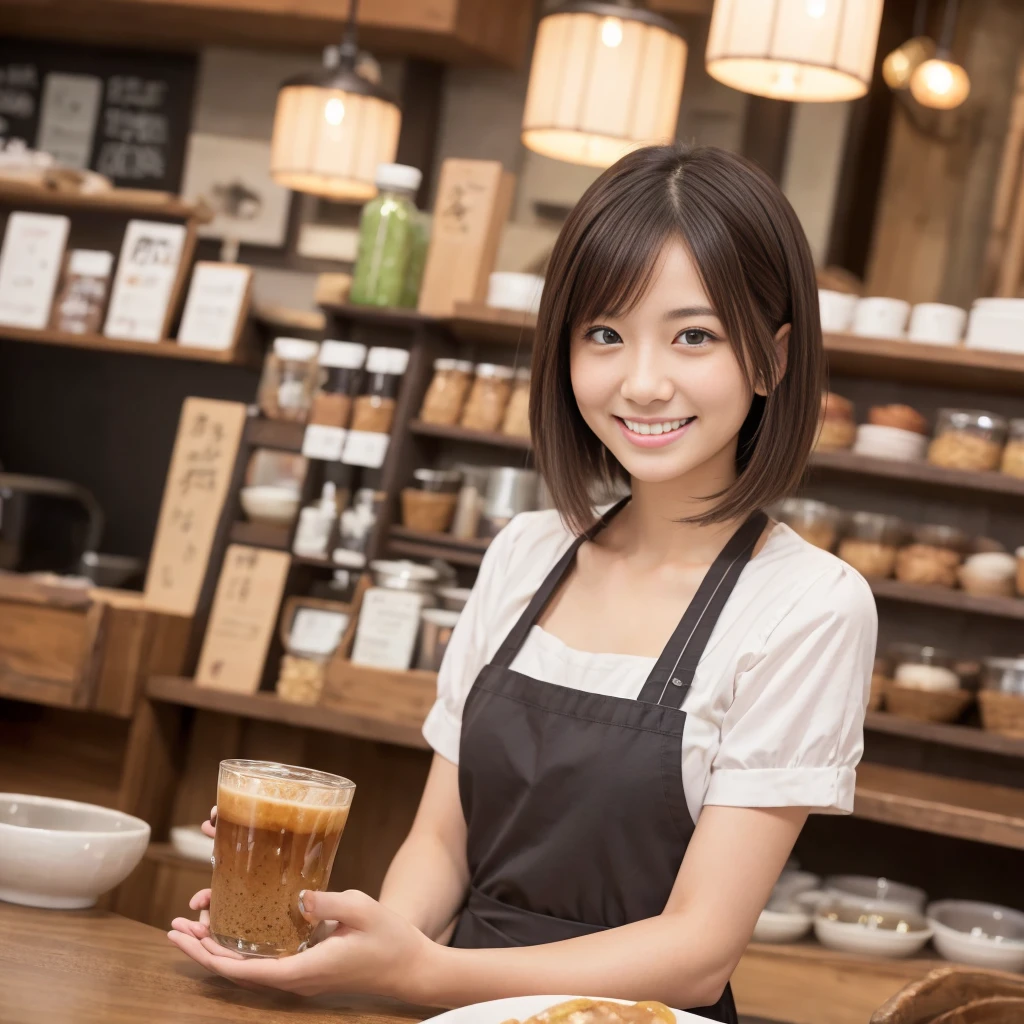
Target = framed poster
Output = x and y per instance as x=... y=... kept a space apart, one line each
x=233 y=176
x=146 y=273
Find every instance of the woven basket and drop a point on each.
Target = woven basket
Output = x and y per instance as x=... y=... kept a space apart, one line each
x=1002 y=712
x=927 y=705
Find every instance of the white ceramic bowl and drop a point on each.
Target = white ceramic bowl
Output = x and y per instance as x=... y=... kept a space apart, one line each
x=270 y=504
x=877 y=890
x=836 y=309
x=782 y=921
x=890 y=443
x=515 y=291
x=875 y=929
x=63 y=854
x=995 y=327
x=981 y=934
x=935 y=323
x=793 y=882
x=190 y=842
x=880 y=317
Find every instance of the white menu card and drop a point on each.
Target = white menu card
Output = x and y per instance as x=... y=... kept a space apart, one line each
x=30 y=262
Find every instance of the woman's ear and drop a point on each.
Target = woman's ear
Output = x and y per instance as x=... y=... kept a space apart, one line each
x=781 y=359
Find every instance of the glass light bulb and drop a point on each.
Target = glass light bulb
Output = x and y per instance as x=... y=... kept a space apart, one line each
x=611 y=32
x=940 y=84
x=334 y=111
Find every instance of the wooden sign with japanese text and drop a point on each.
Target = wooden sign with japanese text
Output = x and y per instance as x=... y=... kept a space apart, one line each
x=209 y=434
x=245 y=609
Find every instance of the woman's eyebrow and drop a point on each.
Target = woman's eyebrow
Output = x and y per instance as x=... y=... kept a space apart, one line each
x=685 y=311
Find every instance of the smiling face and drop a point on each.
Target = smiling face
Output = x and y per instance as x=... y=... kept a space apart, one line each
x=661 y=385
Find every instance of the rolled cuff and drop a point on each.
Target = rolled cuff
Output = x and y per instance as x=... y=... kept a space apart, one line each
x=443 y=732
x=823 y=790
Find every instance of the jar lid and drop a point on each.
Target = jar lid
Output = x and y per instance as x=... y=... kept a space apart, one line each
x=961 y=418
x=438 y=476
x=344 y=355
x=398 y=177
x=440 y=617
x=387 y=360
x=405 y=570
x=494 y=370
x=450 y=365
x=300 y=350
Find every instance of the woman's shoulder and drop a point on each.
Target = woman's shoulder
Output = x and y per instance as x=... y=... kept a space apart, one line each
x=530 y=544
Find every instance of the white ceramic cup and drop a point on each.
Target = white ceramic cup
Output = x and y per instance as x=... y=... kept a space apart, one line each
x=836 y=310
x=879 y=317
x=936 y=323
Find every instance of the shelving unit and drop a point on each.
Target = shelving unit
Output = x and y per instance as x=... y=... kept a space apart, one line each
x=963 y=737
x=943 y=597
x=133 y=202
x=490 y=438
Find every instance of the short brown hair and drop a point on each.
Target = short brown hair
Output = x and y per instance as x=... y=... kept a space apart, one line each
x=756 y=267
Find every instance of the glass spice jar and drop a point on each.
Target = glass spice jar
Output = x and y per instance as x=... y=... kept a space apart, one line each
x=341 y=364
x=488 y=398
x=290 y=375
x=83 y=297
x=967 y=439
x=446 y=395
x=469 y=506
x=517 y=415
x=430 y=505
x=374 y=410
x=1013 y=454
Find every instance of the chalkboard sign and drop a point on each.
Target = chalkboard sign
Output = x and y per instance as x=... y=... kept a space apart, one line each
x=122 y=113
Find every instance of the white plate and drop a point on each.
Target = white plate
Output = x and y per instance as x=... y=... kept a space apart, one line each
x=521 y=1007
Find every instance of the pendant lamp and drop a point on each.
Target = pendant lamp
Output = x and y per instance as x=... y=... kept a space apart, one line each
x=941 y=83
x=900 y=65
x=606 y=78
x=333 y=128
x=805 y=51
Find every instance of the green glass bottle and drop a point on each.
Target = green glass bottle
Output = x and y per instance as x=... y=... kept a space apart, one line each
x=387 y=231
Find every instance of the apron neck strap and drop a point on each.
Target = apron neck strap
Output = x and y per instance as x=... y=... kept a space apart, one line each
x=671 y=678
x=517 y=636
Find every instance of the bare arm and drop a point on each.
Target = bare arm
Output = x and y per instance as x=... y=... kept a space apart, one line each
x=683 y=957
x=428 y=878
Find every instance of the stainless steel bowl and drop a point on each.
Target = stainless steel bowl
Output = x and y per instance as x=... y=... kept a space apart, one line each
x=401 y=575
x=1003 y=674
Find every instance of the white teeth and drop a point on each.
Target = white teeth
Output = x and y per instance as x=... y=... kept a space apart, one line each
x=664 y=427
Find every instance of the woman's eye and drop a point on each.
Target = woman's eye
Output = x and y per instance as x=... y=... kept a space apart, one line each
x=695 y=337
x=604 y=336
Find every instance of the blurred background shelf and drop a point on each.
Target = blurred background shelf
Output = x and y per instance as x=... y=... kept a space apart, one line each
x=943 y=597
x=492 y=438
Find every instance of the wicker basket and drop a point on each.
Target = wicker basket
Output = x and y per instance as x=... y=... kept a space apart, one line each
x=1002 y=712
x=927 y=705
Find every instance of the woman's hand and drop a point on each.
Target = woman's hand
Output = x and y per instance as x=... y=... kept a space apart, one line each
x=371 y=950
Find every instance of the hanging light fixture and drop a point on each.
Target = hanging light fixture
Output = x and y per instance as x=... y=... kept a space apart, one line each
x=941 y=83
x=900 y=65
x=807 y=51
x=333 y=128
x=606 y=78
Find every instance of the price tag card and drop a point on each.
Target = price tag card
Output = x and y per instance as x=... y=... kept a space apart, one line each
x=29 y=267
x=317 y=631
x=218 y=297
x=365 y=449
x=243 y=618
x=209 y=433
x=323 y=442
x=389 y=623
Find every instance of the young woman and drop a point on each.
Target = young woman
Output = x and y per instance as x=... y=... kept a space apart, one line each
x=637 y=712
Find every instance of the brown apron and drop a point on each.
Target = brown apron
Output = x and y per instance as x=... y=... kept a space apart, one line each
x=577 y=819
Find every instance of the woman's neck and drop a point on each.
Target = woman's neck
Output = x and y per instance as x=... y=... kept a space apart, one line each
x=650 y=530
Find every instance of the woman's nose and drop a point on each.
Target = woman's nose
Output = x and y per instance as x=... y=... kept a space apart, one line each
x=646 y=380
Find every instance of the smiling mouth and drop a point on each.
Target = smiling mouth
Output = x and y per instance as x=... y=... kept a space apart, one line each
x=648 y=434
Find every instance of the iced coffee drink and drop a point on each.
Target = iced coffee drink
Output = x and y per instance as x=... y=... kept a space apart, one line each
x=278 y=829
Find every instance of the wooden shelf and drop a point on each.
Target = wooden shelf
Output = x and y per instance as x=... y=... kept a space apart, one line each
x=965 y=737
x=261 y=535
x=475 y=322
x=131 y=202
x=268 y=707
x=419 y=544
x=379 y=316
x=277 y=434
x=917 y=473
x=98 y=343
x=944 y=806
x=943 y=597
x=491 y=438
x=916 y=363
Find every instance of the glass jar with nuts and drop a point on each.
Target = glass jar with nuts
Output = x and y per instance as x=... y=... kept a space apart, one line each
x=1013 y=454
x=870 y=542
x=967 y=439
x=933 y=556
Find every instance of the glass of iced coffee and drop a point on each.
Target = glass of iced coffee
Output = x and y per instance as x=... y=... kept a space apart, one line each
x=278 y=829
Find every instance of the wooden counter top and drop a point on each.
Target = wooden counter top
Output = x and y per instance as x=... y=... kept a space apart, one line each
x=93 y=967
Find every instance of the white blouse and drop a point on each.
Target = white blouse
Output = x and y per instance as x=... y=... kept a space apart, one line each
x=775 y=715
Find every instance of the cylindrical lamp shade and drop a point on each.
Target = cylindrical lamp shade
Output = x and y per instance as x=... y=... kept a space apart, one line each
x=329 y=141
x=605 y=80
x=806 y=51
